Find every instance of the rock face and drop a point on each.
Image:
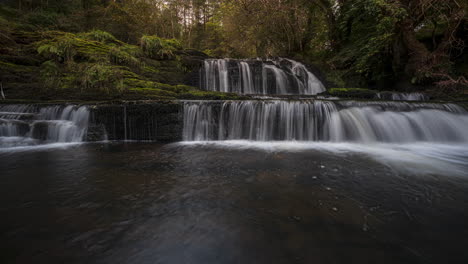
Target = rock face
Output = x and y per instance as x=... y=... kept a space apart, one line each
x=193 y=61
x=147 y=121
x=152 y=121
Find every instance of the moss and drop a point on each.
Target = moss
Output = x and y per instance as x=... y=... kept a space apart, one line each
x=146 y=88
x=352 y=93
x=208 y=95
x=11 y=67
x=20 y=60
x=71 y=47
x=100 y=36
x=184 y=88
x=151 y=70
x=93 y=65
x=154 y=91
x=120 y=57
x=159 y=48
x=134 y=82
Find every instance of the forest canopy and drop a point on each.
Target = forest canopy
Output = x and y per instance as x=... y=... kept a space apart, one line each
x=357 y=42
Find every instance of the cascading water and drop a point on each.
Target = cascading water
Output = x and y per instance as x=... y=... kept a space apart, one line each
x=324 y=121
x=216 y=75
x=29 y=124
x=247 y=80
x=282 y=76
x=402 y=96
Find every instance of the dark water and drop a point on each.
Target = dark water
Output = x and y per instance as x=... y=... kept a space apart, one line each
x=234 y=203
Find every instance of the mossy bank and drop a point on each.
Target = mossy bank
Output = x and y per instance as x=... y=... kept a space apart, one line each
x=56 y=65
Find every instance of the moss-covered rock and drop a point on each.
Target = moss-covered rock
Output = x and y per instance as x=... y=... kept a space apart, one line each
x=352 y=93
x=45 y=63
x=159 y=48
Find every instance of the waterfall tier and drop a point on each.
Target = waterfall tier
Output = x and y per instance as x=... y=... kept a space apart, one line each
x=402 y=96
x=28 y=124
x=324 y=121
x=282 y=76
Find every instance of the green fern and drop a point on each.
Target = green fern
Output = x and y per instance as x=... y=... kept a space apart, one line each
x=50 y=75
x=159 y=48
x=101 y=36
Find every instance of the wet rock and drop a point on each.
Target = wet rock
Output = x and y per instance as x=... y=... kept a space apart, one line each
x=96 y=132
x=40 y=130
x=153 y=121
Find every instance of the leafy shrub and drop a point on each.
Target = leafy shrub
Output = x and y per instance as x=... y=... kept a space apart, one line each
x=367 y=32
x=50 y=75
x=63 y=49
x=120 y=57
x=159 y=48
x=101 y=36
x=42 y=19
x=101 y=77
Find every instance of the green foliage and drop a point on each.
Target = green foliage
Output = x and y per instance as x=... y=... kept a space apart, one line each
x=335 y=77
x=62 y=48
x=48 y=50
x=353 y=93
x=159 y=48
x=101 y=77
x=101 y=36
x=12 y=67
x=42 y=19
x=67 y=47
x=137 y=44
x=367 y=30
x=119 y=56
x=95 y=62
x=50 y=75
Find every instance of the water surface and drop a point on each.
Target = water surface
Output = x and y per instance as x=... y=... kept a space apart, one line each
x=234 y=202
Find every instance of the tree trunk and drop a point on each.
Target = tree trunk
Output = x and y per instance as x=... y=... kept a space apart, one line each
x=417 y=51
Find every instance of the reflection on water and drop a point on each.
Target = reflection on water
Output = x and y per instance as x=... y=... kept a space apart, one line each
x=235 y=202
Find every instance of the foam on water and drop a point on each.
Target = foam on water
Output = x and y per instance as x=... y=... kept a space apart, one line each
x=415 y=158
x=30 y=125
x=20 y=144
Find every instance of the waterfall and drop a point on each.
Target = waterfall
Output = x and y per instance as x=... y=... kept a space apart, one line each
x=198 y=117
x=247 y=81
x=282 y=76
x=45 y=124
x=402 y=96
x=281 y=79
x=216 y=75
x=369 y=124
x=309 y=120
x=307 y=82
